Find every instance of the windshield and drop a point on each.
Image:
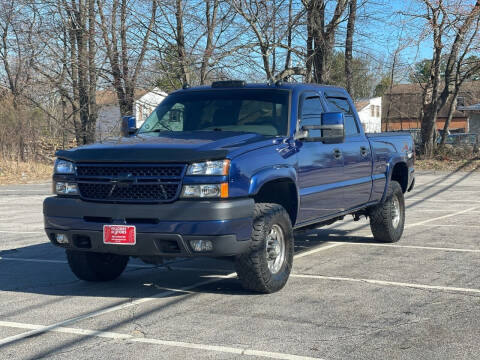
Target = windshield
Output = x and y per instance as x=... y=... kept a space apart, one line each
x=261 y=111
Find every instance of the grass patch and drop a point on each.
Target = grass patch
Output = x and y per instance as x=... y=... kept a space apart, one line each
x=451 y=158
x=448 y=165
x=16 y=172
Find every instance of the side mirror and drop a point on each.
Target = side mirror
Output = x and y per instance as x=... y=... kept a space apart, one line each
x=332 y=127
x=128 y=126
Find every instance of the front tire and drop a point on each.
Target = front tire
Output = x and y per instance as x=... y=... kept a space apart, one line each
x=387 y=220
x=91 y=266
x=267 y=265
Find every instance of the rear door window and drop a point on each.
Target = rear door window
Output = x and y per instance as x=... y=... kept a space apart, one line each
x=342 y=105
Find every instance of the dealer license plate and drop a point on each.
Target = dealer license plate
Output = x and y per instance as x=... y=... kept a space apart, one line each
x=119 y=234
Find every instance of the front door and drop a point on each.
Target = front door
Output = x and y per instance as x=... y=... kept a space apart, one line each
x=320 y=167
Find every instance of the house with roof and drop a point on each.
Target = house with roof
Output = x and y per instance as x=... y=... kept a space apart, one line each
x=473 y=113
x=145 y=105
x=370 y=114
x=109 y=117
x=401 y=108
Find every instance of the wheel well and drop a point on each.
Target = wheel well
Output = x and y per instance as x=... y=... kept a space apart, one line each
x=400 y=174
x=282 y=192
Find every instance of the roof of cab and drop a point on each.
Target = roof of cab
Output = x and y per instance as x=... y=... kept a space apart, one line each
x=284 y=85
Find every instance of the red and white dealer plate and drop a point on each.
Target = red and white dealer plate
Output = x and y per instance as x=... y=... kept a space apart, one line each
x=119 y=234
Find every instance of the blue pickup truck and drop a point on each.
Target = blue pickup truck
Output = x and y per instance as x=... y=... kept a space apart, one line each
x=227 y=170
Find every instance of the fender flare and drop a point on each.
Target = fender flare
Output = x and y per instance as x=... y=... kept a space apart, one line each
x=394 y=160
x=276 y=172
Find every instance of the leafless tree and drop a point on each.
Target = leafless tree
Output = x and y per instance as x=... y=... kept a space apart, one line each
x=321 y=38
x=265 y=20
x=123 y=35
x=464 y=69
x=445 y=19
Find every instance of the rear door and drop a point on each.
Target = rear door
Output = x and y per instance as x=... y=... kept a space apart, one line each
x=320 y=166
x=357 y=157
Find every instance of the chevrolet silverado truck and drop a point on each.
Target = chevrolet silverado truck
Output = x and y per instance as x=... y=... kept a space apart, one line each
x=228 y=171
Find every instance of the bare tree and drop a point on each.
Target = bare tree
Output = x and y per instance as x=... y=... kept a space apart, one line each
x=464 y=70
x=17 y=55
x=265 y=20
x=441 y=17
x=122 y=35
x=321 y=37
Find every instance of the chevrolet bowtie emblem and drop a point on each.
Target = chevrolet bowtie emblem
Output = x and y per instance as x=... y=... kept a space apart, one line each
x=122 y=181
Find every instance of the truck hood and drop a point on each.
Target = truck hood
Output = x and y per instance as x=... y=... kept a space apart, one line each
x=174 y=147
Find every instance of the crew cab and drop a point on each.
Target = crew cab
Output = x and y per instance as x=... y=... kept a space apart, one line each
x=228 y=170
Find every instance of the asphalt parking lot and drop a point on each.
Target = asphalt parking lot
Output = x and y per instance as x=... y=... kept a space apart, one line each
x=348 y=297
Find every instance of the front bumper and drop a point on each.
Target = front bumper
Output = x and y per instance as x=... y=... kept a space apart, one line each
x=162 y=229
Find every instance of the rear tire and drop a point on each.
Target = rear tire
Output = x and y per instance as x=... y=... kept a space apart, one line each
x=267 y=265
x=387 y=220
x=91 y=266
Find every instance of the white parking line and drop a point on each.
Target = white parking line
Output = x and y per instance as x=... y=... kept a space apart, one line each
x=136 y=302
x=109 y=310
x=181 y=344
x=34 y=260
x=413 y=247
x=166 y=266
x=326 y=246
x=446 y=201
x=21 y=232
x=388 y=283
x=452 y=225
x=442 y=217
x=438 y=210
x=26 y=190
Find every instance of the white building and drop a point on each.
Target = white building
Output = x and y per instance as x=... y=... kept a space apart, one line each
x=145 y=105
x=370 y=113
x=108 y=123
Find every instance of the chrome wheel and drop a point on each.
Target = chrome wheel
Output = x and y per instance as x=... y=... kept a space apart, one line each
x=275 y=249
x=395 y=212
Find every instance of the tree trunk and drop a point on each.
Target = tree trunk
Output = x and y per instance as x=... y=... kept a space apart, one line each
x=430 y=105
x=288 y=57
x=309 y=59
x=182 y=54
x=211 y=19
x=92 y=74
x=84 y=73
x=451 y=110
x=349 y=46
x=323 y=37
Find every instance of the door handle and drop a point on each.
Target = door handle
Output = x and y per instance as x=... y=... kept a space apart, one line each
x=337 y=154
x=363 y=151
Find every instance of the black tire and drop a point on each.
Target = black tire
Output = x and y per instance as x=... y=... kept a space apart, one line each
x=253 y=267
x=91 y=266
x=382 y=217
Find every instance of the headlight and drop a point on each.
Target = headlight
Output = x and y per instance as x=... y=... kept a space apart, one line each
x=205 y=191
x=64 y=167
x=218 y=167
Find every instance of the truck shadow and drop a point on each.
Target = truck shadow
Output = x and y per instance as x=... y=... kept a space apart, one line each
x=63 y=290
x=303 y=241
x=42 y=269
x=419 y=192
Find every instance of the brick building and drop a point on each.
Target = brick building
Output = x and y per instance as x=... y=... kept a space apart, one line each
x=401 y=108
